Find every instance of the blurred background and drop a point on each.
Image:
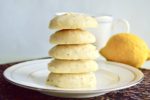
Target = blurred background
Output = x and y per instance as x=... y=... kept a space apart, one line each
x=24 y=29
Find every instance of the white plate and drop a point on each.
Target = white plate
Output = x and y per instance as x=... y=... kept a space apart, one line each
x=146 y=65
x=110 y=76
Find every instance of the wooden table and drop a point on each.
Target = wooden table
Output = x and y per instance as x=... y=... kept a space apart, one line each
x=11 y=92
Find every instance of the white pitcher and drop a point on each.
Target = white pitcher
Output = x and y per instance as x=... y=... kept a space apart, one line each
x=107 y=26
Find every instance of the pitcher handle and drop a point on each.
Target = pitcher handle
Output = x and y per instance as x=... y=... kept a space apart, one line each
x=121 y=22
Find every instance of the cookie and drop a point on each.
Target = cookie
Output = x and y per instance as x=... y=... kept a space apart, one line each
x=72 y=81
x=72 y=36
x=72 y=21
x=72 y=66
x=74 y=52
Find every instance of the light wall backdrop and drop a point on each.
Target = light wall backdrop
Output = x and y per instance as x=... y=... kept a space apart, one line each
x=24 y=29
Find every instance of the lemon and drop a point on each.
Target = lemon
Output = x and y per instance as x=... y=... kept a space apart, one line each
x=126 y=48
x=148 y=56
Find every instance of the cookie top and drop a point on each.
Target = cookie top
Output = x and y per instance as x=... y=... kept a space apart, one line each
x=72 y=36
x=72 y=21
x=74 y=52
x=72 y=66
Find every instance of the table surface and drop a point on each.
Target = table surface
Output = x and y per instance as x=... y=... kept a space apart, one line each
x=11 y=92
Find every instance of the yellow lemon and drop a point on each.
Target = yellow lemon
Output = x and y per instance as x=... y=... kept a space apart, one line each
x=148 y=56
x=126 y=48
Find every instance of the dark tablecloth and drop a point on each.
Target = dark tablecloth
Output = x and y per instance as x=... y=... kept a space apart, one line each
x=11 y=92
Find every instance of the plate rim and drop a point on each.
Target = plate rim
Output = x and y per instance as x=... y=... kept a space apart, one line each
x=76 y=91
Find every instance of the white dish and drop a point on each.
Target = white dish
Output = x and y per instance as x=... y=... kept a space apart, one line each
x=146 y=65
x=110 y=77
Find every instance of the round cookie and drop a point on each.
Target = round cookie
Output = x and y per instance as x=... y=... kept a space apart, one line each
x=74 y=52
x=72 y=66
x=72 y=36
x=72 y=81
x=72 y=21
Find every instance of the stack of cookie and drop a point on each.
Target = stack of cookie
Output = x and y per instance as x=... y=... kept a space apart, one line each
x=73 y=65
